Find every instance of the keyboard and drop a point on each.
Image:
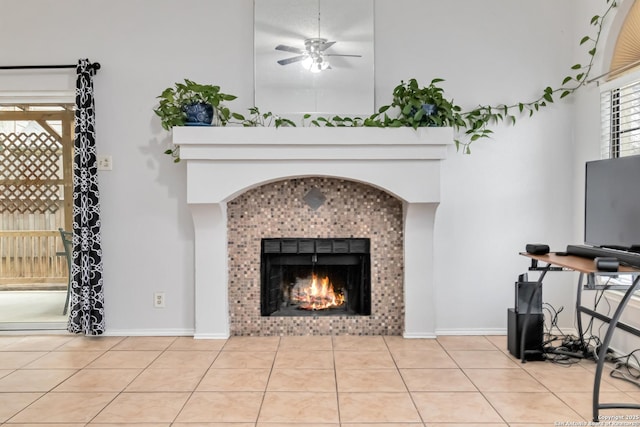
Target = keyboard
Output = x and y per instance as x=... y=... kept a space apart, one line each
x=631 y=259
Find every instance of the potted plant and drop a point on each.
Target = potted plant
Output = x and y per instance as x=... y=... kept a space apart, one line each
x=192 y=104
x=418 y=107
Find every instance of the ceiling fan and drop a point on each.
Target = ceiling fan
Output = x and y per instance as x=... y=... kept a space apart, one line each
x=313 y=56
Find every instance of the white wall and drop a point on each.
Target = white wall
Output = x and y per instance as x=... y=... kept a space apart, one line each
x=517 y=188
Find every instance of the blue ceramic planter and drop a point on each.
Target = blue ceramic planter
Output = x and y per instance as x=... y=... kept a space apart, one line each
x=199 y=114
x=429 y=109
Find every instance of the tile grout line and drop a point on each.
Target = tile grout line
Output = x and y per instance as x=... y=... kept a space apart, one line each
x=266 y=386
x=130 y=382
x=413 y=402
x=474 y=384
x=44 y=393
x=335 y=378
x=192 y=392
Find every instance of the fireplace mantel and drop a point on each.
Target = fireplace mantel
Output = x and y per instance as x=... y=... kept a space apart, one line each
x=223 y=162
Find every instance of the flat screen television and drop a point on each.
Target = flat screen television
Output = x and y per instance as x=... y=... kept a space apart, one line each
x=612 y=203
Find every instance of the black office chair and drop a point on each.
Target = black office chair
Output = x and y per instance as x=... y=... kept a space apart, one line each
x=67 y=241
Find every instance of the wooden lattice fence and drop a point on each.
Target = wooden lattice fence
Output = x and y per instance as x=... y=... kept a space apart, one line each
x=31 y=177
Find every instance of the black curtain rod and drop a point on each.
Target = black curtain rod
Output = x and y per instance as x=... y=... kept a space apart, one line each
x=95 y=66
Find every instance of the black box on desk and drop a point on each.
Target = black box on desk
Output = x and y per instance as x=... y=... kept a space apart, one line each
x=533 y=336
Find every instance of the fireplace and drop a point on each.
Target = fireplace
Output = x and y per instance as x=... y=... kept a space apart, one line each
x=276 y=218
x=315 y=277
x=224 y=164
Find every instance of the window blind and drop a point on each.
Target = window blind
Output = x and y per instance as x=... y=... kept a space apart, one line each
x=620 y=121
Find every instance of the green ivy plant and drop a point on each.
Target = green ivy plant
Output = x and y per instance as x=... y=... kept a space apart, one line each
x=418 y=107
x=170 y=108
x=412 y=105
x=256 y=118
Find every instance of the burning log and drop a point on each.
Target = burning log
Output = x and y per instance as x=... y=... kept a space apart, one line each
x=316 y=294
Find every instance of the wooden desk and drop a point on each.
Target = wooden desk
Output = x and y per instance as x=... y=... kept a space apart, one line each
x=586 y=267
x=575 y=263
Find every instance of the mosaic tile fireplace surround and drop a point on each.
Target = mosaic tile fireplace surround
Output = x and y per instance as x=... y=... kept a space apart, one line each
x=351 y=210
x=248 y=184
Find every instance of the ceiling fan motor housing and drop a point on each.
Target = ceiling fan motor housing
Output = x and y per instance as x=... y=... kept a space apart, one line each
x=315 y=45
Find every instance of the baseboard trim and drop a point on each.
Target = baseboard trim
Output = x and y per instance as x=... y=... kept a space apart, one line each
x=496 y=331
x=210 y=337
x=416 y=335
x=190 y=332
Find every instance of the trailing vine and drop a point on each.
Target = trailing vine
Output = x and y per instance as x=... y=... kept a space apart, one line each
x=479 y=120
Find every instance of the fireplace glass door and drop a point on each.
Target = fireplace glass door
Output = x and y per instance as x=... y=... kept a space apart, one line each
x=315 y=277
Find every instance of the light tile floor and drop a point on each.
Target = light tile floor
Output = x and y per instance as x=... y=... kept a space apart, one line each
x=319 y=381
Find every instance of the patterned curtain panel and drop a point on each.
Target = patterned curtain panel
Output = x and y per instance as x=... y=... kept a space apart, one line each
x=87 y=298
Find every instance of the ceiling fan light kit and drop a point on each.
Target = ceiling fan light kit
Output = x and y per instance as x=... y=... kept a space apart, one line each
x=315 y=64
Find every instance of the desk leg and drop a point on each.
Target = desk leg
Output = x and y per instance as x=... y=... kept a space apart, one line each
x=579 y=312
x=602 y=353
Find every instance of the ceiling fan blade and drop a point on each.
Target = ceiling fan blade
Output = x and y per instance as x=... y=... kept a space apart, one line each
x=292 y=60
x=326 y=45
x=289 y=49
x=337 y=54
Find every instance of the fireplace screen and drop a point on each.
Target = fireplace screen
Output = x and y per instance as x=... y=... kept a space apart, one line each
x=302 y=277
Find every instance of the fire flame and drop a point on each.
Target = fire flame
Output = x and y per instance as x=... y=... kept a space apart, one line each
x=317 y=294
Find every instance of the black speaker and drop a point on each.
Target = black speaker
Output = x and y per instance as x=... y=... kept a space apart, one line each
x=607 y=263
x=537 y=248
x=533 y=336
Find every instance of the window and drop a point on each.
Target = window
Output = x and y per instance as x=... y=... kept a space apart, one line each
x=620 y=116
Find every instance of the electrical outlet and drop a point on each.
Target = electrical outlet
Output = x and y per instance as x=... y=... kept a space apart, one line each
x=105 y=163
x=158 y=299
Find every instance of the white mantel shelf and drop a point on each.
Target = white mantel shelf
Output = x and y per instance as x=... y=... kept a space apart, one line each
x=228 y=143
x=224 y=162
x=238 y=159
